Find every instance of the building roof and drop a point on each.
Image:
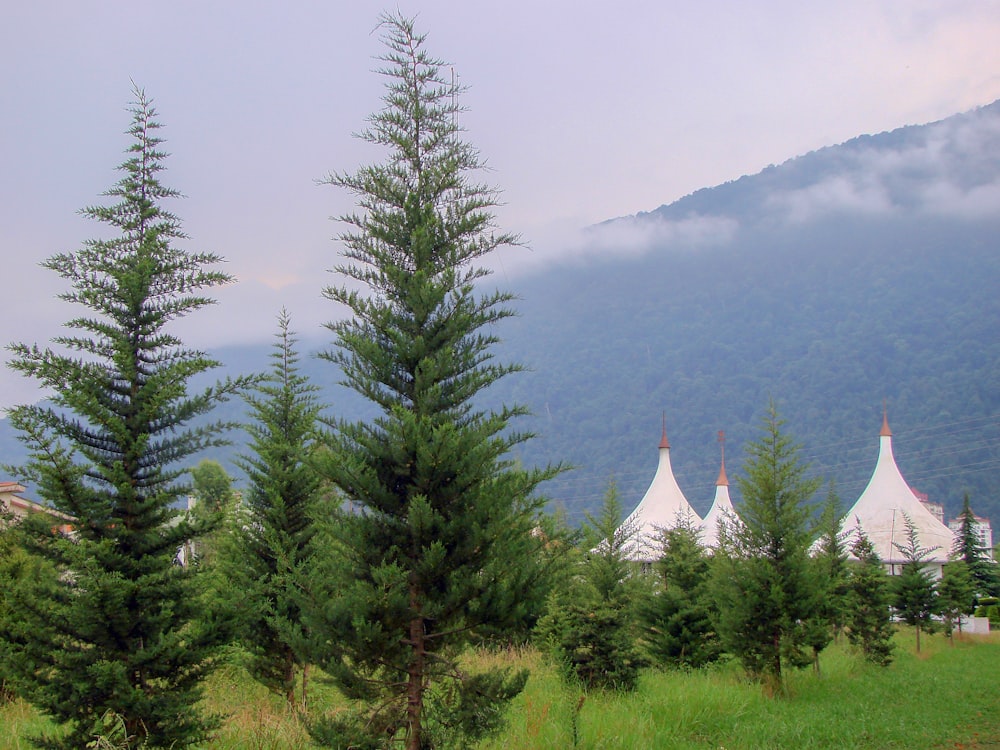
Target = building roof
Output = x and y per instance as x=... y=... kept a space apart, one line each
x=882 y=506
x=662 y=507
x=12 y=502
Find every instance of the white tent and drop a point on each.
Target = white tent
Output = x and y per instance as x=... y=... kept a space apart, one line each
x=662 y=507
x=722 y=506
x=883 y=508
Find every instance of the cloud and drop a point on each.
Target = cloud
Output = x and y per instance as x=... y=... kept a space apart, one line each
x=947 y=169
x=944 y=198
x=692 y=233
x=622 y=238
x=835 y=195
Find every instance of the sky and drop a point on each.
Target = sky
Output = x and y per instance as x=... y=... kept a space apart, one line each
x=583 y=112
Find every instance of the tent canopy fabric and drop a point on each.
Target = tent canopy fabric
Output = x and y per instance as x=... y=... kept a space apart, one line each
x=885 y=505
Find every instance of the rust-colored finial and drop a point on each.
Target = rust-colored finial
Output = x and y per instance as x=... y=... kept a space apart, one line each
x=722 y=481
x=886 y=432
x=664 y=443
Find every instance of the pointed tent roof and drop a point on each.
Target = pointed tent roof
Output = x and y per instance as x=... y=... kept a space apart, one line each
x=660 y=508
x=722 y=505
x=880 y=509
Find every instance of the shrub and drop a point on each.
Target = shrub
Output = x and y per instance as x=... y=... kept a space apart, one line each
x=593 y=645
x=989 y=606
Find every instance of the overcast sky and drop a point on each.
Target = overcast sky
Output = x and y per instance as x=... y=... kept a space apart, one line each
x=584 y=111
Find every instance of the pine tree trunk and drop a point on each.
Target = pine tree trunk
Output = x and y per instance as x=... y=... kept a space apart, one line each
x=289 y=680
x=415 y=689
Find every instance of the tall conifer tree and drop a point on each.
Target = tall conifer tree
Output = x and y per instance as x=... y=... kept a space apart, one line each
x=956 y=595
x=271 y=545
x=443 y=517
x=763 y=577
x=829 y=564
x=589 y=627
x=868 y=616
x=914 y=594
x=967 y=548
x=119 y=631
x=677 y=619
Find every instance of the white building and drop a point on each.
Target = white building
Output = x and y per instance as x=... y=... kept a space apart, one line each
x=983 y=530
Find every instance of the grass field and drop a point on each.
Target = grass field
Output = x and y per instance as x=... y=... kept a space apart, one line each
x=947 y=697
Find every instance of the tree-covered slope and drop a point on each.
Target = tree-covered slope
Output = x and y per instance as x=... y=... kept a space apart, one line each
x=828 y=323
x=857 y=273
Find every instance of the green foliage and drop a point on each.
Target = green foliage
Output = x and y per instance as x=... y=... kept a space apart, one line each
x=763 y=580
x=440 y=543
x=212 y=486
x=829 y=577
x=967 y=548
x=270 y=546
x=588 y=628
x=677 y=617
x=593 y=644
x=869 y=619
x=551 y=568
x=213 y=507
x=611 y=543
x=119 y=627
x=472 y=707
x=989 y=607
x=956 y=594
x=914 y=596
x=17 y=570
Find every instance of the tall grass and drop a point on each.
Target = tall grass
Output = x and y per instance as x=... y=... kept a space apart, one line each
x=945 y=697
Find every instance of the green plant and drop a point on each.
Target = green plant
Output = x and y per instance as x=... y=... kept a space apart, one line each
x=989 y=606
x=110 y=733
x=117 y=626
x=442 y=541
x=592 y=644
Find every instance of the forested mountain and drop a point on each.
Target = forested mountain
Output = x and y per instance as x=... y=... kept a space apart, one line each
x=860 y=272
x=857 y=273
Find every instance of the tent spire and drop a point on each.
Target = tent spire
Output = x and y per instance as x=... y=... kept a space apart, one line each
x=886 y=432
x=722 y=481
x=664 y=443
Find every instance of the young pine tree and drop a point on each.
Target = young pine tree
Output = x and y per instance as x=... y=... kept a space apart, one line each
x=120 y=629
x=829 y=576
x=868 y=614
x=589 y=628
x=271 y=546
x=611 y=545
x=443 y=516
x=956 y=595
x=763 y=579
x=914 y=595
x=967 y=548
x=677 y=618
